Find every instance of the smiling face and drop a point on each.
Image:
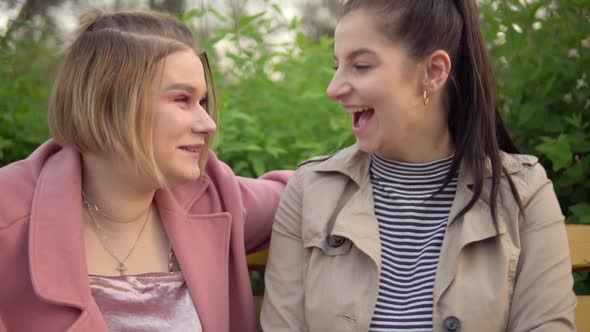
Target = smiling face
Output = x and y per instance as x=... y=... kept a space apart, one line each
x=182 y=125
x=379 y=84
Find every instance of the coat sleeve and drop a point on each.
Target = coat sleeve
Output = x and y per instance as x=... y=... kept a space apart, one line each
x=543 y=299
x=283 y=305
x=260 y=199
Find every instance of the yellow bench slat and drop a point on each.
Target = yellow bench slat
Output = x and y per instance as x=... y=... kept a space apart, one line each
x=579 y=240
x=257 y=260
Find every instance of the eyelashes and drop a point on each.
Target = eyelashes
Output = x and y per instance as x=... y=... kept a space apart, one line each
x=183 y=99
x=188 y=101
x=356 y=66
x=361 y=66
x=204 y=102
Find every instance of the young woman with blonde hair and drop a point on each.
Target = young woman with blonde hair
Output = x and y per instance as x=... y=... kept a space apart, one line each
x=125 y=220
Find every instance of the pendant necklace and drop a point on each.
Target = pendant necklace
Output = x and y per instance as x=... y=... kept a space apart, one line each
x=121 y=267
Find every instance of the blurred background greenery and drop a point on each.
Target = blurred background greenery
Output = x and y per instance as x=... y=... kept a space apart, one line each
x=272 y=69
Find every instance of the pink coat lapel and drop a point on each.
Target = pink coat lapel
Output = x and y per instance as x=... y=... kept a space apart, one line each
x=56 y=242
x=56 y=247
x=201 y=245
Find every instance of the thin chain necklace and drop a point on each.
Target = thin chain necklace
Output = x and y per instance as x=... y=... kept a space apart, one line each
x=94 y=207
x=121 y=267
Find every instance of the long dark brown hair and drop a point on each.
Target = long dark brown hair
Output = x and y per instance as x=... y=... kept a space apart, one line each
x=474 y=121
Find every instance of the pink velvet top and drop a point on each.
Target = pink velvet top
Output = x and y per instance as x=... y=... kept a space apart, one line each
x=146 y=302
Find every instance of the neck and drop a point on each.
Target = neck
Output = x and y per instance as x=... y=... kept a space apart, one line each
x=118 y=191
x=431 y=145
x=429 y=139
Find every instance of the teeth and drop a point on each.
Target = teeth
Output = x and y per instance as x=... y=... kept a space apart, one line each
x=361 y=109
x=190 y=149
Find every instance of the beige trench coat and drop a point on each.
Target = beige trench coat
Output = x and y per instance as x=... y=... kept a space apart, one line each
x=325 y=255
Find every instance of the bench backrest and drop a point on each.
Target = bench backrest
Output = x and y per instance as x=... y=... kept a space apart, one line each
x=579 y=240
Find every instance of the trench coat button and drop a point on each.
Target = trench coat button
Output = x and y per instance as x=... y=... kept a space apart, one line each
x=335 y=241
x=452 y=324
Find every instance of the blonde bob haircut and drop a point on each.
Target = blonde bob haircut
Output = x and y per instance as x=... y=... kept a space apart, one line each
x=99 y=102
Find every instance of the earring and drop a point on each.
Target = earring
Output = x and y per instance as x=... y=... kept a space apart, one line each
x=426 y=97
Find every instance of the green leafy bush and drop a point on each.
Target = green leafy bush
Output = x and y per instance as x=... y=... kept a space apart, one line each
x=273 y=108
x=26 y=72
x=542 y=60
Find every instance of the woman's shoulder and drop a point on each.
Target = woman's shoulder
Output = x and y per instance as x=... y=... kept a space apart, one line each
x=322 y=175
x=309 y=170
x=18 y=181
x=344 y=160
x=518 y=160
x=526 y=172
x=316 y=160
x=17 y=185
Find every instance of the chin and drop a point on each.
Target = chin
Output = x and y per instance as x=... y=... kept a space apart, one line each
x=181 y=177
x=190 y=176
x=365 y=146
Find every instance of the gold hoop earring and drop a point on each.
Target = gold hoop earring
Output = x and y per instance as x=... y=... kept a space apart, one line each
x=426 y=97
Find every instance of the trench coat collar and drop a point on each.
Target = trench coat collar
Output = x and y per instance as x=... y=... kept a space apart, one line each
x=355 y=163
x=475 y=225
x=56 y=241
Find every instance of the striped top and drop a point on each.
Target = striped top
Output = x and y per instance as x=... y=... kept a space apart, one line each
x=412 y=225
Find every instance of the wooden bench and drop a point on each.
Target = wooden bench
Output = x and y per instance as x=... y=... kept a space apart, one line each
x=257 y=262
x=579 y=241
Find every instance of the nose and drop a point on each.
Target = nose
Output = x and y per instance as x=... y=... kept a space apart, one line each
x=203 y=124
x=338 y=87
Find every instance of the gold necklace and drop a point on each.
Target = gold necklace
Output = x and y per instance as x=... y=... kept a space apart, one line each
x=121 y=267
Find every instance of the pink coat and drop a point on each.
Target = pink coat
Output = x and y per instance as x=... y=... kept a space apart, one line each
x=212 y=223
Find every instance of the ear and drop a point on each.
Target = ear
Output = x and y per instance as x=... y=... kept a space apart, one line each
x=438 y=67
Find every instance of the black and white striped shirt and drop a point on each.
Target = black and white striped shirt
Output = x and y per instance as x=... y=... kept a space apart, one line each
x=412 y=225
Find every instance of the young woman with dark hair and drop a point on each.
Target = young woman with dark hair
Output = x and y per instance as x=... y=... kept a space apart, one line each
x=432 y=221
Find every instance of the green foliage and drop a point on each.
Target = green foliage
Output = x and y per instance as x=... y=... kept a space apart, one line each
x=26 y=73
x=582 y=283
x=273 y=109
x=542 y=60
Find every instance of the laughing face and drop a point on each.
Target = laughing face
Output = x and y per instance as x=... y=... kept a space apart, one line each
x=380 y=85
x=181 y=122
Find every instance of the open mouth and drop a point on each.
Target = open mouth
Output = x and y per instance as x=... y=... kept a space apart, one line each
x=361 y=117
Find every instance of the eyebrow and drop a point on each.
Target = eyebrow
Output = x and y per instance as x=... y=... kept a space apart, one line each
x=182 y=86
x=358 y=52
